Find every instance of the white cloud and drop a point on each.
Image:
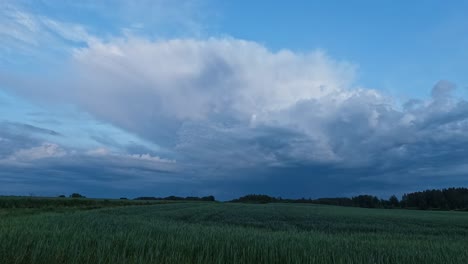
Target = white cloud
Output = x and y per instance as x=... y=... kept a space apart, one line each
x=123 y=161
x=46 y=150
x=148 y=157
x=68 y=31
x=212 y=109
x=152 y=88
x=227 y=103
x=27 y=38
x=194 y=79
x=98 y=152
x=18 y=25
x=104 y=152
x=232 y=89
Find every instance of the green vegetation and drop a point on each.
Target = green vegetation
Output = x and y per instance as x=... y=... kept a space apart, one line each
x=15 y=202
x=445 y=199
x=210 y=232
x=177 y=198
x=75 y=195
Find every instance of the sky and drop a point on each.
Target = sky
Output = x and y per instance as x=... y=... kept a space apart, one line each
x=227 y=98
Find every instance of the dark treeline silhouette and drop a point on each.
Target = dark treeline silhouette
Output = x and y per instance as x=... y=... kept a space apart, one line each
x=445 y=199
x=79 y=201
x=256 y=198
x=74 y=195
x=177 y=198
x=7 y=202
x=367 y=201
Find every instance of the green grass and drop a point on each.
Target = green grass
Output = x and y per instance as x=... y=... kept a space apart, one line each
x=53 y=203
x=203 y=232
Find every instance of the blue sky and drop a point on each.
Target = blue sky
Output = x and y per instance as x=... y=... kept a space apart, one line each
x=400 y=46
x=291 y=98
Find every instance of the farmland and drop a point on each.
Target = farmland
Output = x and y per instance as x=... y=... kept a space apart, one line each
x=212 y=232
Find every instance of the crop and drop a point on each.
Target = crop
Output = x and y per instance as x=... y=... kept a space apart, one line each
x=204 y=232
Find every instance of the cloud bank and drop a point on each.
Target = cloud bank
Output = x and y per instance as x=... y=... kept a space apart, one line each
x=235 y=97
x=229 y=115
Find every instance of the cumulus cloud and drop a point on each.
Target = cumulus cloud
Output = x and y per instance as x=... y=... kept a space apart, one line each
x=442 y=89
x=198 y=79
x=226 y=84
x=227 y=108
x=226 y=103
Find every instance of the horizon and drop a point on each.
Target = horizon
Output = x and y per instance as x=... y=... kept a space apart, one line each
x=201 y=97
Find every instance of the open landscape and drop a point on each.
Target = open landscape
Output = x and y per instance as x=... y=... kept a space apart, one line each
x=233 y=132
x=215 y=232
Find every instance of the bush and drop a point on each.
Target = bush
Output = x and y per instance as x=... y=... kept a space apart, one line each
x=77 y=195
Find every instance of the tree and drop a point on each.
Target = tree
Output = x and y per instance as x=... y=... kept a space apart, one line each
x=367 y=201
x=77 y=195
x=255 y=198
x=394 y=201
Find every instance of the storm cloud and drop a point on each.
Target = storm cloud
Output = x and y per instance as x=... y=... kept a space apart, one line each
x=227 y=116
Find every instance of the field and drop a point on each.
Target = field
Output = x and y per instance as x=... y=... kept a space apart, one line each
x=211 y=232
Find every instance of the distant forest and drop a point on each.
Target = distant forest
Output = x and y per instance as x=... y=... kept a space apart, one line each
x=177 y=198
x=445 y=199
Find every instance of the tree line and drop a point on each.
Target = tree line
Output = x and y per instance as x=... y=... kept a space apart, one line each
x=442 y=199
x=209 y=198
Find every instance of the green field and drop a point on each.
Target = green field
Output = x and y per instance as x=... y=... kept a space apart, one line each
x=210 y=232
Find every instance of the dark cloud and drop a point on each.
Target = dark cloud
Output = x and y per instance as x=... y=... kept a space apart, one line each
x=27 y=128
x=442 y=89
x=13 y=137
x=360 y=145
x=233 y=117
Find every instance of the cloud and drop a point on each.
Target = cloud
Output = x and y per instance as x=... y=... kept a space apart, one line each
x=29 y=128
x=207 y=110
x=218 y=75
x=24 y=33
x=52 y=168
x=148 y=157
x=37 y=33
x=98 y=152
x=212 y=101
x=24 y=145
x=46 y=150
x=164 y=84
x=15 y=137
x=442 y=89
x=104 y=152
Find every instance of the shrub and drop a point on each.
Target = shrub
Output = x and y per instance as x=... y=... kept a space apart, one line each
x=77 y=195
